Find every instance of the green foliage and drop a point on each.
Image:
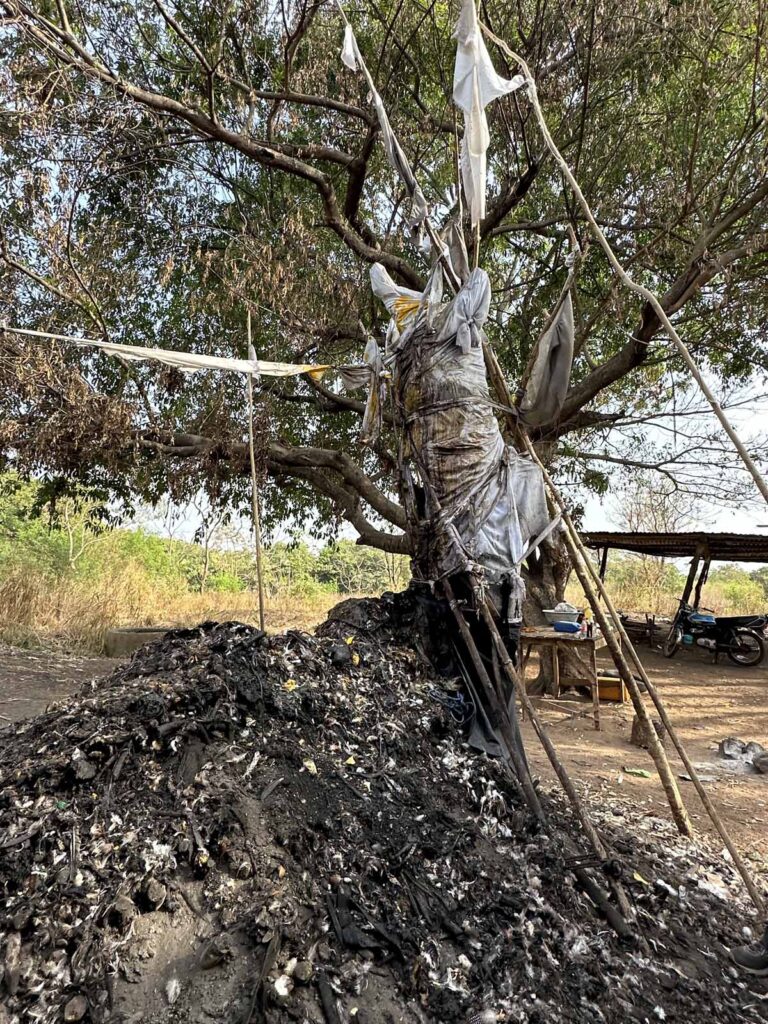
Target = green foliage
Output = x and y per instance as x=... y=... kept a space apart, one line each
x=74 y=549
x=642 y=584
x=760 y=576
x=649 y=584
x=738 y=590
x=134 y=223
x=348 y=568
x=225 y=582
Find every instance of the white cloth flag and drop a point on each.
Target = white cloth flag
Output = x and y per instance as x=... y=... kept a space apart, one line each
x=475 y=85
x=189 y=362
x=398 y=161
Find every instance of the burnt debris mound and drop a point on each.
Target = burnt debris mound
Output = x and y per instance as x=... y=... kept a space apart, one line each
x=236 y=827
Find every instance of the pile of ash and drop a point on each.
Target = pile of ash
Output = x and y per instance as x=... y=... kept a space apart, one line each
x=238 y=827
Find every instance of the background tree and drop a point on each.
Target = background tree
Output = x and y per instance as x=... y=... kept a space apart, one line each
x=166 y=167
x=210 y=520
x=643 y=506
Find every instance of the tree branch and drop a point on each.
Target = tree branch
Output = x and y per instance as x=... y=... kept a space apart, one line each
x=510 y=199
x=70 y=51
x=635 y=352
x=336 y=469
x=349 y=503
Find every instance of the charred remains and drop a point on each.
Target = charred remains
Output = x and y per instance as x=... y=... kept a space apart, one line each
x=241 y=827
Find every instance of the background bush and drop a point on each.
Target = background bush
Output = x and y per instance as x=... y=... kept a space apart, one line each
x=66 y=577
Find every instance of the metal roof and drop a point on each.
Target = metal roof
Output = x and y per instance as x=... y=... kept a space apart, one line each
x=722 y=547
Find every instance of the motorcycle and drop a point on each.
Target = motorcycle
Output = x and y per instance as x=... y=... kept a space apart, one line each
x=738 y=636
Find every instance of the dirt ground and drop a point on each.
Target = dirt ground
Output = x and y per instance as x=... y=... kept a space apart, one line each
x=706 y=702
x=31 y=680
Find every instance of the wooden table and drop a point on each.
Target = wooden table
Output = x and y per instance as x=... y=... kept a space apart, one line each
x=545 y=636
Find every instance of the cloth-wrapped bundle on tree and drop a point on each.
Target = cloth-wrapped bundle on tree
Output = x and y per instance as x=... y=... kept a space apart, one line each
x=472 y=502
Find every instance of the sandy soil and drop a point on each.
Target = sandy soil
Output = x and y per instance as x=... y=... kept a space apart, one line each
x=706 y=702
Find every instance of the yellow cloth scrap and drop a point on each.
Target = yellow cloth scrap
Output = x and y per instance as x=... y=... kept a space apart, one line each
x=404 y=307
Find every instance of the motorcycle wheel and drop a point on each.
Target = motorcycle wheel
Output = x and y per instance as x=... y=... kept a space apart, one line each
x=672 y=644
x=747 y=648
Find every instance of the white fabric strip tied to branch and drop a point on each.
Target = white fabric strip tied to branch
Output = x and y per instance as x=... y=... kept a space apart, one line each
x=372 y=374
x=188 y=362
x=398 y=161
x=475 y=85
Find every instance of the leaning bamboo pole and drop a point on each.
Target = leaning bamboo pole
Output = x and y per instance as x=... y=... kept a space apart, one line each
x=621 y=273
x=655 y=747
x=656 y=750
x=588 y=575
x=501 y=719
x=500 y=711
x=558 y=766
x=500 y=708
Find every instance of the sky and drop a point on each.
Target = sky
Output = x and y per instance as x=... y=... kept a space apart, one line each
x=748 y=415
x=599 y=514
x=751 y=423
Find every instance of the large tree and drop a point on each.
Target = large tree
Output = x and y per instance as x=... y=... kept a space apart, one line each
x=167 y=166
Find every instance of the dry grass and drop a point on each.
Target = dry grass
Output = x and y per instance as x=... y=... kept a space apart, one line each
x=639 y=600
x=76 y=613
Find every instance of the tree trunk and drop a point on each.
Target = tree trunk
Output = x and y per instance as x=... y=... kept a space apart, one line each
x=546 y=575
x=206 y=568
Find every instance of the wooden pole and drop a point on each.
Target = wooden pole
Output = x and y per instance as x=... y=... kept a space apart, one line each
x=593 y=891
x=498 y=705
x=691 y=578
x=578 y=549
x=498 y=709
x=623 y=276
x=703 y=576
x=709 y=807
x=254 y=485
x=560 y=770
x=519 y=688
x=655 y=748
x=604 y=562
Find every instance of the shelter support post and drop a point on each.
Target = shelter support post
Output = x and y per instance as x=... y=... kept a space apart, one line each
x=594 y=687
x=703 y=576
x=603 y=562
x=691 y=578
